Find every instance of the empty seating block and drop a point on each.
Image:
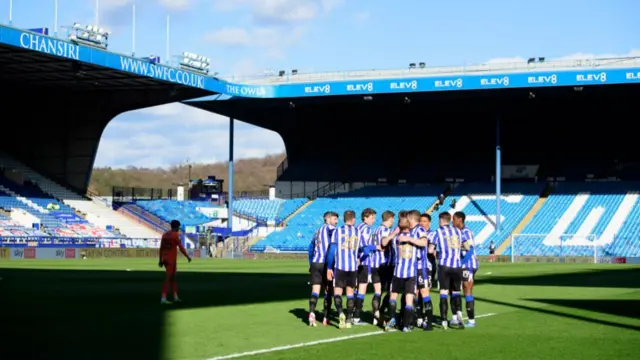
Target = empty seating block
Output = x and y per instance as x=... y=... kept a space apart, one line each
x=185 y=211
x=266 y=210
x=577 y=214
x=299 y=231
x=478 y=202
x=55 y=217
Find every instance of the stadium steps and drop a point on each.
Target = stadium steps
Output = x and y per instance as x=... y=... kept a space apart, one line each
x=23 y=200
x=140 y=220
x=253 y=240
x=96 y=213
x=300 y=209
x=526 y=219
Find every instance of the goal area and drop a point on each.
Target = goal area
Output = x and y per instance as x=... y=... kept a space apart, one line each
x=554 y=248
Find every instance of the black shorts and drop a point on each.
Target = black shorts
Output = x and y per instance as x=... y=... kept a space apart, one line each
x=345 y=279
x=386 y=276
x=468 y=275
x=403 y=286
x=492 y=251
x=425 y=283
x=363 y=275
x=450 y=278
x=318 y=272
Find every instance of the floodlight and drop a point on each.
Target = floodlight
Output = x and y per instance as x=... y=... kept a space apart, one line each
x=89 y=35
x=194 y=62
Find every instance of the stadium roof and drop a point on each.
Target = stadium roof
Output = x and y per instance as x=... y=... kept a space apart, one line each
x=46 y=62
x=493 y=76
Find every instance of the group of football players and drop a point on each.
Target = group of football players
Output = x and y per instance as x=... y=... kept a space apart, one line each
x=399 y=259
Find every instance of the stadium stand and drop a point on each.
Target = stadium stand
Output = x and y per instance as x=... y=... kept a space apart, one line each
x=478 y=202
x=575 y=214
x=607 y=212
x=167 y=210
x=265 y=210
x=56 y=206
x=9 y=227
x=300 y=229
x=137 y=212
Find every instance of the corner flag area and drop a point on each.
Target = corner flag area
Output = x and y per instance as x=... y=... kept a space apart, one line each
x=103 y=309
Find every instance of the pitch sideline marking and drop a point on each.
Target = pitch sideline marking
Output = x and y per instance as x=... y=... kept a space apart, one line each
x=312 y=343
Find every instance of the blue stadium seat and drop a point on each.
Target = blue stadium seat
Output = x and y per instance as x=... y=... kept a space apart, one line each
x=185 y=211
x=55 y=217
x=265 y=210
x=575 y=214
x=478 y=202
x=300 y=229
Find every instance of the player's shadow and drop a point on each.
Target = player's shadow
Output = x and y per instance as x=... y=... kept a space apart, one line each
x=602 y=306
x=70 y=314
x=627 y=278
x=621 y=307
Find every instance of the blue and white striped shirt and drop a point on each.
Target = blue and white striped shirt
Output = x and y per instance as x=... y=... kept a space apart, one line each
x=422 y=254
x=407 y=254
x=321 y=241
x=448 y=240
x=379 y=257
x=348 y=247
x=366 y=237
x=467 y=236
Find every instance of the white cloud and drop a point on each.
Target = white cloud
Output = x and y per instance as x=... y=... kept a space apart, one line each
x=229 y=37
x=111 y=4
x=576 y=56
x=168 y=4
x=362 y=17
x=273 y=40
x=278 y=11
x=169 y=134
x=176 y=5
x=275 y=24
x=328 y=5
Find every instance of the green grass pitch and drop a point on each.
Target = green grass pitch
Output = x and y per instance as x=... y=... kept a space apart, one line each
x=109 y=309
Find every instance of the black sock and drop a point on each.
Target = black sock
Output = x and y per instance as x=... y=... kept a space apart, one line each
x=337 y=299
x=408 y=316
x=456 y=302
x=375 y=303
x=313 y=301
x=428 y=309
x=452 y=305
x=403 y=305
x=350 y=306
x=419 y=309
x=444 y=307
x=392 y=310
x=471 y=311
x=359 y=306
x=327 y=304
x=385 y=302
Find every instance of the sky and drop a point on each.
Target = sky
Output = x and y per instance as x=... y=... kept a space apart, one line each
x=249 y=37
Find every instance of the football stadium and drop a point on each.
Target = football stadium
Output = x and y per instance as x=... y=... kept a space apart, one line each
x=541 y=156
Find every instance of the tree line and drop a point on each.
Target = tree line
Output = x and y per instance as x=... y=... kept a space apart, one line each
x=250 y=175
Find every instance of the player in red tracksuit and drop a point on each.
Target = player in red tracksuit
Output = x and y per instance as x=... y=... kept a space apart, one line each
x=169 y=259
